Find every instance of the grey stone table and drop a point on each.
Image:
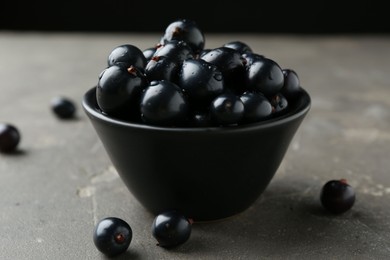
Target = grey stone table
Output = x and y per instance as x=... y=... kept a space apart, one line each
x=60 y=182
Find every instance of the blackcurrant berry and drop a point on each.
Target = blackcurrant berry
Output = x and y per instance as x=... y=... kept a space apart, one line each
x=112 y=236
x=291 y=87
x=201 y=82
x=175 y=50
x=63 y=107
x=161 y=67
x=256 y=107
x=185 y=30
x=119 y=88
x=163 y=103
x=227 y=109
x=171 y=229
x=264 y=75
x=279 y=104
x=127 y=55
x=337 y=196
x=240 y=46
x=9 y=137
x=231 y=64
x=149 y=53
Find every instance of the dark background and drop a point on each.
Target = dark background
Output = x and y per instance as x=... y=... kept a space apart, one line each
x=212 y=16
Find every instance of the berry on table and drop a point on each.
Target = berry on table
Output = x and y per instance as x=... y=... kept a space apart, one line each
x=171 y=229
x=337 y=196
x=112 y=236
x=9 y=137
x=63 y=107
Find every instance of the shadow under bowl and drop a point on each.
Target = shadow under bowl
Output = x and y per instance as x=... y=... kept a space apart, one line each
x=207 y=173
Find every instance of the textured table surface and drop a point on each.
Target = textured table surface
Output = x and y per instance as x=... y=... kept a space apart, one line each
x=60 y=182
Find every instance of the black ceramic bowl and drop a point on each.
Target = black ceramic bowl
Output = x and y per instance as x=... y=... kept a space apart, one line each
x=207 y=173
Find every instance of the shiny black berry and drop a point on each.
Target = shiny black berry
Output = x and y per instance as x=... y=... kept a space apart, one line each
x=240 y=46
x=175 y=50
x=127 y=55
x=161 y=68
x=149 y=52
x=337 y=196
x=163 y=103
x=231 y=64
x=171 y=229
x=227 y=109
x=256 y=107
x=119 y=88
x=291 y=86
x=62 y=107
x=9 y=137
x=112 y=236
x=250 y=57
x=185 y=30
x=201 y=82
x=264 y=75
x=279 y=104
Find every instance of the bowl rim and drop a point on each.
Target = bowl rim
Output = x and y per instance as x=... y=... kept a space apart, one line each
x=89 y=100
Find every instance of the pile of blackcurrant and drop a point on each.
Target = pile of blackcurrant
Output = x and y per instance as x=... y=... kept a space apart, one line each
x=179 y=82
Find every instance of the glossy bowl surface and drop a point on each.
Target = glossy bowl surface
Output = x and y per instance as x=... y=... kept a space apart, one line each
x=207 y=173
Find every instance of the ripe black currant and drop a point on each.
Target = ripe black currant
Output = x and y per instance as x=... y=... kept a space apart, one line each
x=171 y=229
x=337 y=196
x=63 y=107
x=185 y=30
x=227 y=109
x=163 y=103
x=127 y=55
x=9 y=137
x=119 y=88
x=112 y=236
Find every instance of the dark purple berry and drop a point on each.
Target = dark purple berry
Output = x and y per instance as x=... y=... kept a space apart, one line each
x=240 y=46
x=226 y=109
x=256 y=107
x=337 y=196
x=251 y=57
x=163 y=103
x=185 y=30
x=175 y=50
x=201 y=82
x=171 y=229
x=161 y=68
x=149 y=53
x=279 y=104
x=119 y=88
x=231 y=64
x=63 y=108
x=291 y=86
x=265 y=76
x=127 y=55
x=112 y=236
x=9 y=137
